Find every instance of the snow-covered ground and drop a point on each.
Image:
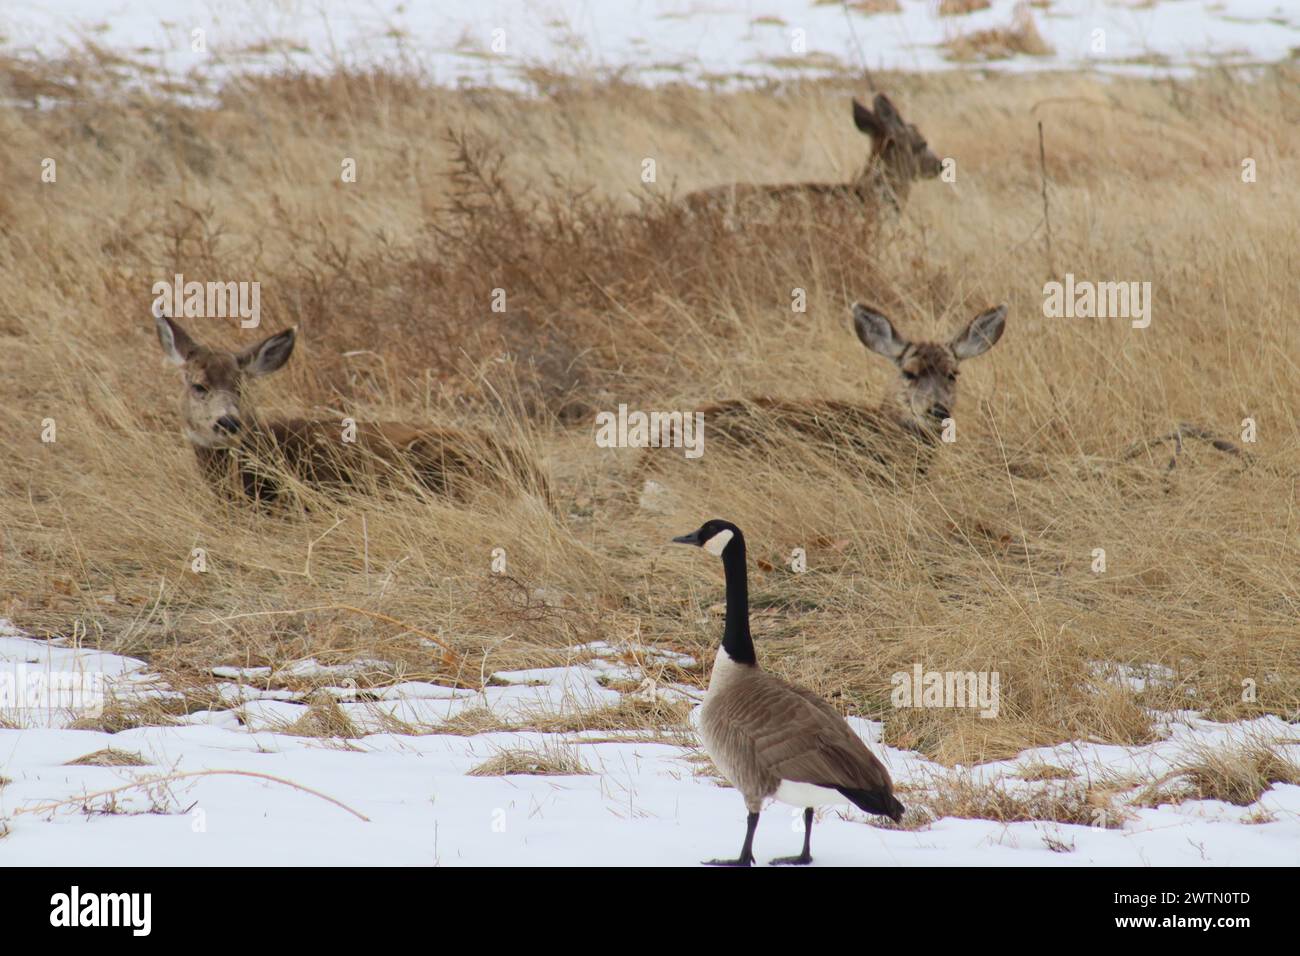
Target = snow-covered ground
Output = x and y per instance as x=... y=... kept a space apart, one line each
x=643 y=801
x=490 y=41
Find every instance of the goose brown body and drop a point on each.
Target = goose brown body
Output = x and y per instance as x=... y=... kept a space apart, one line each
x=762 y=731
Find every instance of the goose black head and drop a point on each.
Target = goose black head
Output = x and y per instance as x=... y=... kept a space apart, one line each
x=714 y=536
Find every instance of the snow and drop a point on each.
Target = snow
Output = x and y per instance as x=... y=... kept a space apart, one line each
x=642 y=803
x=493 y=41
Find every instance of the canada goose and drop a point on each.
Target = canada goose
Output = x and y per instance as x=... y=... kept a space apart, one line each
x=771 y=738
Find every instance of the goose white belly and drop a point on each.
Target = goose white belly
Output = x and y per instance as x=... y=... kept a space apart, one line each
x=799 y=794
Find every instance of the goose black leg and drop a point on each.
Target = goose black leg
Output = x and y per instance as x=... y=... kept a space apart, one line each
x=746 y=857
x=806 y=855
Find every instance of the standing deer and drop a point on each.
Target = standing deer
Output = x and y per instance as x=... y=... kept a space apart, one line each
x=901 y=431
x=240 y=453
x=899 y=156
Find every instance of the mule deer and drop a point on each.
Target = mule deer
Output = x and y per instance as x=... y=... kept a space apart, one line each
x=899 y=156
x=240 y=453
x=904 y=428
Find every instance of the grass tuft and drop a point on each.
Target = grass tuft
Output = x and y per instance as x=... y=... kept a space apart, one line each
x=548 y=760
x=1020 y=36
x=1238 y=773
x=956 y=8
x=109 y=757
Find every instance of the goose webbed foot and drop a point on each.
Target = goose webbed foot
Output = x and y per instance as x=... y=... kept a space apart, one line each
x=746 y=857
x=804 y=858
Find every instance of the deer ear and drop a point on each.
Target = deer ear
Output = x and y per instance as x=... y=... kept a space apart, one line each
x=267 y=355
x=981 y=335
x=887 y=112
x=866 y=121
x=877 y=332
x=176 y=343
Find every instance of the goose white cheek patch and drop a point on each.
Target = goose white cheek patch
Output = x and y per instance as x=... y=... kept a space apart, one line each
x=718 y=542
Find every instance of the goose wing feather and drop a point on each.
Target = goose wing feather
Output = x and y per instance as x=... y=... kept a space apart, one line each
x=766 y=730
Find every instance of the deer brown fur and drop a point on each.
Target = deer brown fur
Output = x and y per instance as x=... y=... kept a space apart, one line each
x=899 y=156
x=907 y=423
x=239 y=453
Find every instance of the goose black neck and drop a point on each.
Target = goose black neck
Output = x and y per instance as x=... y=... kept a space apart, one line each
x=736 y=640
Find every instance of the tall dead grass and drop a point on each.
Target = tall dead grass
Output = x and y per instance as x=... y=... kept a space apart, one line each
x=613 y=295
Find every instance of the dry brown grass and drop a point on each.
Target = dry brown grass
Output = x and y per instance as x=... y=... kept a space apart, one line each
x=613 y=296
x=961 y=795
x=548 y=760
x=323 y=718
x=109 y=757
x=869 y=7
x=1237 y=773
x=956 y=8
x=118 y=715
x=1041 y=771
x=628 y=714
x=1020 y=36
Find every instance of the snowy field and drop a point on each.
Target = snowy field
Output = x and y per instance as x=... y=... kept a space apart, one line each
x=495 y=41
x=642 y=801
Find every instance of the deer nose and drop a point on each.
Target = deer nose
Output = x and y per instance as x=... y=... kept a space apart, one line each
x=228 y=424
x=940 y=411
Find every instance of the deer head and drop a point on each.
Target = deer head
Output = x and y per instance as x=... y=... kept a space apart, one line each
x=899 y=153
x=925 y=391
x=213 y=404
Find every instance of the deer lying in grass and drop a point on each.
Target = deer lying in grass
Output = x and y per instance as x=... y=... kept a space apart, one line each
x=240 y=453
x=903 y=430
x=899 y=157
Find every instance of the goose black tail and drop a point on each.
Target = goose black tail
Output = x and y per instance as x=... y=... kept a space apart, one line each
x=880 y=802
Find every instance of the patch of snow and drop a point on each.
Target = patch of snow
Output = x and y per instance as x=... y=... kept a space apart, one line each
x=494 y=42
x=242 y=673
x=314 y=668
x=1136 y=677
x=642 y=803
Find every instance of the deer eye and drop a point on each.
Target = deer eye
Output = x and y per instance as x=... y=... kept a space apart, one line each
x=910 y=376
x=198 y=389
